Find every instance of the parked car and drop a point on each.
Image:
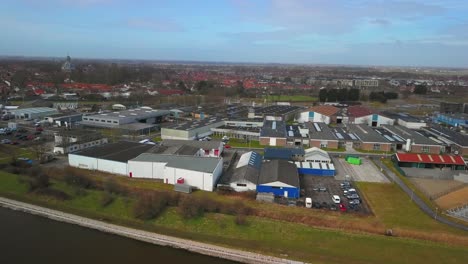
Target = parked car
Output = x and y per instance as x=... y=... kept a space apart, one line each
x=30 y=137
x=349 y=191
x=292 y=203
x=39 y=129
x=37 y=133
x=354 y=202
x=14 y=142
x=352 y=196
x=333 y=207
x=227 y=146
x=5 y=141
x=342 y=207
x=336 y=199
x=322 y=189
x=308 y=202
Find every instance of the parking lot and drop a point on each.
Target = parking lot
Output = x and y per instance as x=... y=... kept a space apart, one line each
x=311 y=186
x=366 y=172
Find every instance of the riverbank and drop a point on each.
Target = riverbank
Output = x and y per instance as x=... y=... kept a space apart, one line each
x=149 y=237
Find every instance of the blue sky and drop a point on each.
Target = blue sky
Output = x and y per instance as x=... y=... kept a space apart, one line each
x=356 y=32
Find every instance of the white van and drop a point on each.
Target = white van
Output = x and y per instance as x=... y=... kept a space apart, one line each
x=336 y=199
x=308 y=202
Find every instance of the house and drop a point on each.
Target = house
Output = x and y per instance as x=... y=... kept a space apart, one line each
x=279 y=177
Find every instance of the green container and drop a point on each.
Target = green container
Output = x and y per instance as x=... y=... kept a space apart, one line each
x=354 y=160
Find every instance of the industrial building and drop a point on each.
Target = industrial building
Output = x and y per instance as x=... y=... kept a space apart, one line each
x=454 y=120
x=279 y=177
x=143 y=119
x=212 y=148
x=274 y=112
x=297 y=135
x=315 y=154
x=428 y=161
x=190 y=130
x=319 y=114
x=33 y=113
x=457 y=142
x=415 y=141
x=273 y=133
x=246 y=173
x=405 y=120
x=290 y=154
x=368 y=139
x=198 y=172
x=241 y=129
x=64 y=119
x=361 y=115
x=68 y=141
x=315 y=168
x=111 y=158
x=321 y=136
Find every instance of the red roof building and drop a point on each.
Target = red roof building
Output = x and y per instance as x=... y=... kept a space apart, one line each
x=430 y=159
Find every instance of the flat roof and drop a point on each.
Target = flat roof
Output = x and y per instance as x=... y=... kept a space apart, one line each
x=282 y=153
x=137 y=113
x=432 y=159
x=121 y=151
x=273 y=129
x=195 y=124
x=212 y=144
x=406 y=133
x=320 y=131
x=276 y=109
x=202 y=164
x=403 y=116
x=367 y=134
x=33 y=110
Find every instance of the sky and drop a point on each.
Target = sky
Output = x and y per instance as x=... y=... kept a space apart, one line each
x=349 y=32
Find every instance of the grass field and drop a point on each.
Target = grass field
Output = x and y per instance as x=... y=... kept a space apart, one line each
x=279 y=238
x=240 y=143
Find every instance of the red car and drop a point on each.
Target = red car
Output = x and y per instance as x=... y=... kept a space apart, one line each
x=342 y=207
x=227 y=146
x=30 y=137
x=40 y=129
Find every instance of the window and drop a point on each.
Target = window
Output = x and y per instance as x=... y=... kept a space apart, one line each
x=275 y=187
x=103 y=121
x=376 y=147
x=242 y=185
x=115 y=122
x=425 y=149
x=109 y=121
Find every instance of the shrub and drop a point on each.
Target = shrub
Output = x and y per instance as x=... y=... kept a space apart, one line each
x=150 y=206
x=57 y=194
x=106 y=199
x=41 y=181
x=112 y=186
x=240 y=219
x=79 y=180
x=190 y=207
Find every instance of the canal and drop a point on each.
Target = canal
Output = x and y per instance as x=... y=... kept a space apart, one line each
x=26 y=238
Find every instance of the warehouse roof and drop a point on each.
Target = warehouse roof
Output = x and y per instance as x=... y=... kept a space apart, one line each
x=326 y=110
x=433 y=159
x=406 y=133
x=316 y=151
x=276 y=109
x=33 y=110
x=456 y=137
x=367 y=134
x=403 y=116
x=358 y=111
x=195 y=124
x=202 y=164
x=283 y=153
x=212 y=144
x=248 y=168
x=320 y=131
x=137 y=113
x=273 y=129
x=281 y=171
x=121 y=151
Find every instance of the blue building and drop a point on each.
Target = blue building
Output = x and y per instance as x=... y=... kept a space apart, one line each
x=454 y=120
x=316 y=168
x=279 y=177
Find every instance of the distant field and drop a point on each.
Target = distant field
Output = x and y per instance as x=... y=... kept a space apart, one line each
x=291 y=98
x=453 y=199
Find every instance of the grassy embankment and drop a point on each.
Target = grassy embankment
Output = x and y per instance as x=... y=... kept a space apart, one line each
x=280 y=238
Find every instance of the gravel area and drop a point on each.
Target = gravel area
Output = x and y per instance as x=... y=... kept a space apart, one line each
x=366 y=172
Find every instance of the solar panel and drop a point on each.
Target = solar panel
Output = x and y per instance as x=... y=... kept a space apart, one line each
x=339 y=136
x=317 y=127
x=353 y=137
x=389 y=138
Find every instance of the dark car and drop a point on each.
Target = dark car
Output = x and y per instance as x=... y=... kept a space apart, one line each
x=354 y=202
x=30 y=137
x=333 y=207
x=352 y=196
x=15 y=143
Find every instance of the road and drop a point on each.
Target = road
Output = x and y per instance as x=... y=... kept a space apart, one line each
x=418 y=201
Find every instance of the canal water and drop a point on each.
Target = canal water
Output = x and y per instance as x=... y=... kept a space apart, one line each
x=26 y=238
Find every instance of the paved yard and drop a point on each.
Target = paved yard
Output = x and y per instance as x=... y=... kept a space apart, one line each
x=366 y=172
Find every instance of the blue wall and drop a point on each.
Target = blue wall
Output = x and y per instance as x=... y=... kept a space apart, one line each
x=293 y=192
x=318 y=172
x=453 y=121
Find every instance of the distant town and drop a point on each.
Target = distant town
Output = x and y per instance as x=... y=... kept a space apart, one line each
x=240 y=145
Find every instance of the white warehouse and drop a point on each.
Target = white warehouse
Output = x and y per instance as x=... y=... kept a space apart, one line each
x=198 y=172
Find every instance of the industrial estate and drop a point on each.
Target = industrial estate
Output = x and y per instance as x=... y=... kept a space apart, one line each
x=377 y=156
